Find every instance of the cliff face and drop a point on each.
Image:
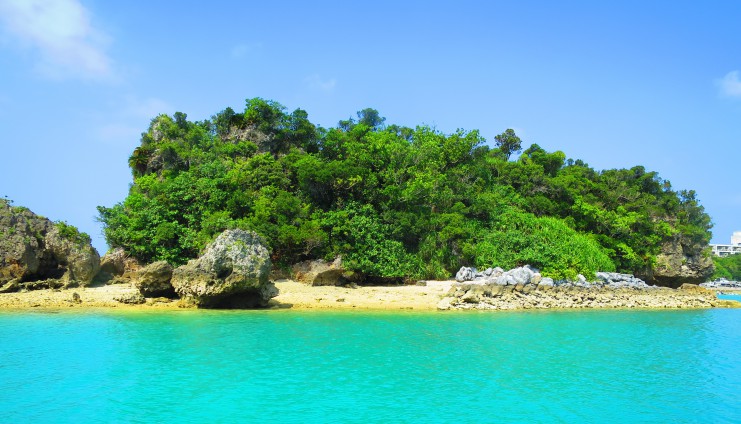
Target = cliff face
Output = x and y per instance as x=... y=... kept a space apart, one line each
x=33 y=248
x=680 y=261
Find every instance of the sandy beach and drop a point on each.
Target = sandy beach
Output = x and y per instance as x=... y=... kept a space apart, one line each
x=296 y=295
x=293 y=295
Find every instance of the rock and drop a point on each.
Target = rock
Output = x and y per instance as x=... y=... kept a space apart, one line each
x=445 y=303
x=506 y=280
x=521 y=275
x=474 y=294
x=117 y=262
x=617 y=281
x=133 y=298
x=680 y=261
x=32 y=248
x=321 y=273
x=694 y=288
x=76 y=297
x=49 y=283
x=80 y=259
x=465 y=274
x=546 y=282
x=11 y=286
x=154 y=280
x=232 y=272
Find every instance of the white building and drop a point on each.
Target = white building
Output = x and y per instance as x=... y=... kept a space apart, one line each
x=728 y=249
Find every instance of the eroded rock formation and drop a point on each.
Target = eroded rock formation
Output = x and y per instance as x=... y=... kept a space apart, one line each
x=32 y=249
x=232 y=272
x=680 y=261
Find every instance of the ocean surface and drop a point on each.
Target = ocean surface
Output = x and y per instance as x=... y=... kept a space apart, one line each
x=678 y=366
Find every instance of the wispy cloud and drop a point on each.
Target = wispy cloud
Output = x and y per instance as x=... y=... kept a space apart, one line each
x=317 y=83
x=729 y=85
x=241 y=50
x=62 y=33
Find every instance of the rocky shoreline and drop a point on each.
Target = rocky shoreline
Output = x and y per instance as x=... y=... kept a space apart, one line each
x=525 y=288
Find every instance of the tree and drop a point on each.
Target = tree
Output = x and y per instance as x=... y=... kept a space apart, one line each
x=508 y=142
x=371 y=118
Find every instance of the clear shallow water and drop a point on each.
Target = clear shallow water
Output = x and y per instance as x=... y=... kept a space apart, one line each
x=736 y=297
x=290 y=366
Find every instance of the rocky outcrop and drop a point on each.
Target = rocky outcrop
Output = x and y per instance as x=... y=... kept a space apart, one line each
x=33 y=248
x=321 y=273
x=232 y=272
x=525 y=288
x=79 y=258
x=154 y=280
x=680 y=261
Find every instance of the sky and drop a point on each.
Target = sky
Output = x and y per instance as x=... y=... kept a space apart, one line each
x=616 y=84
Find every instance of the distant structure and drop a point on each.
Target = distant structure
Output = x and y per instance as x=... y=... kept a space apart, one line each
x=728 y=249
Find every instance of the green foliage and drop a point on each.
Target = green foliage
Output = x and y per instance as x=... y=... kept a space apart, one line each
x=357 y=233
x=393 y=201
x=728 y=267
x=518 y=238
x=71 y=233
x=508 y=143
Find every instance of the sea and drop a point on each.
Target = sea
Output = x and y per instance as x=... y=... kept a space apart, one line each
x=284 y=366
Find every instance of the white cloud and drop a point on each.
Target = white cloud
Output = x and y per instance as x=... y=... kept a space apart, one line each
x=61 y=31
x=317 y=83
x=730 y=85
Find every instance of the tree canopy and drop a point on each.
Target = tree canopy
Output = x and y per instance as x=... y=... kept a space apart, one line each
x=394 y=201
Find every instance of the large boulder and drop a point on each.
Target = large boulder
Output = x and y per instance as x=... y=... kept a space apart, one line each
x=232 y=272
x=681 y=261
x=321 y=273
x=79 y=258
x=154 y=280
x=117 y=262
x=32 y=248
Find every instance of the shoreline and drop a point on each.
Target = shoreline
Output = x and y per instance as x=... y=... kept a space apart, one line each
x=432 y=296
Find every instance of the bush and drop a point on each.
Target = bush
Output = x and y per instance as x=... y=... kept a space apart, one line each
x=520 y=238
x=71 y=233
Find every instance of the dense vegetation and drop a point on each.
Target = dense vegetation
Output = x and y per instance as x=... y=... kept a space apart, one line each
x=728 y=267
x=392 y=200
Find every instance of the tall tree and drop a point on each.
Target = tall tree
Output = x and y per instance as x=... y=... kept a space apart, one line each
x=508 y=142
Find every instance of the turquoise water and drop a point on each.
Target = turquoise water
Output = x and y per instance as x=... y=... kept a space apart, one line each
x=736 y=297
x=304 y=367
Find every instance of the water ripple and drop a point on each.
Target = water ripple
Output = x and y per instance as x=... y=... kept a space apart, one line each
x=591 y=366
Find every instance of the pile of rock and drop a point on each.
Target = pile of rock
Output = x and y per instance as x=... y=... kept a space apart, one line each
x=722 y=284
x=524 y=288
x=527 y=275
x=615 y=280
x=522 y=275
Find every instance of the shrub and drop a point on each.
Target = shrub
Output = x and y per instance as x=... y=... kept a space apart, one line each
x=520 y=238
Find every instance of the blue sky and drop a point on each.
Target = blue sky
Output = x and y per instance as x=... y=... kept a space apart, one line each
x=617 y=84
